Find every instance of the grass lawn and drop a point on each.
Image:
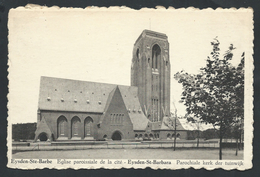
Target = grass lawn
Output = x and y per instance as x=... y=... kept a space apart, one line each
x=228 y=154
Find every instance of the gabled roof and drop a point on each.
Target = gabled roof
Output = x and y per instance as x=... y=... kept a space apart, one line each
x=73 y=95
x=43 y=127
x=133 y=106
x=131 y=102
x=166 y=124
x=81 y=96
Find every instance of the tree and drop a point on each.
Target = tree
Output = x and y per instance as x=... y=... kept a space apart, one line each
x=237 y=134
x=175 y=125
x=196 y=124
x=216 y=94
x=171 y=122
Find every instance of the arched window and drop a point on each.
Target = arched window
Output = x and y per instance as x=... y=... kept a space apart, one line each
x=156 y=54
x=173 y=135
x=122 y=118
x=117 y=118
x=88 y=127
x=75 y=123
x=62 y=127
x=111 y=118
x=137 y=54
x=151 y=136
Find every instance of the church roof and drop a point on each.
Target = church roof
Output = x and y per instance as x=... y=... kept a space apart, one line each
x=168 y=124
x=133 y=106
x=73 y=95
x=82 y=96
x=131 y=101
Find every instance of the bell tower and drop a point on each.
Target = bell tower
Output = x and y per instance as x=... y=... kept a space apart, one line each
x=150 y=72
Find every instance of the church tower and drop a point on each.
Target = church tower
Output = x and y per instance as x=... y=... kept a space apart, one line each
x=150 y=72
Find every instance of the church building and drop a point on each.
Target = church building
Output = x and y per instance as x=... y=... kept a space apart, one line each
x=81 y=110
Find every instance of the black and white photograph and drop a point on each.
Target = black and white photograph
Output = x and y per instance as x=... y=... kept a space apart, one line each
x=122 y=88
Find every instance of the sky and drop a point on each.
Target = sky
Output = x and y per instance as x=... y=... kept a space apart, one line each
x=97 y=45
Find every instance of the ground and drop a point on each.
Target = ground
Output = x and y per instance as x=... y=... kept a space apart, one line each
x=161 y=153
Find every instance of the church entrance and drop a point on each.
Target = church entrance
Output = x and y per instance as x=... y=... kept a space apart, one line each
x=43 y=137
x=117 y=136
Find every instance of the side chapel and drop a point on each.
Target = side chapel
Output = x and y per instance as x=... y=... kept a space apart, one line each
x=80 y=110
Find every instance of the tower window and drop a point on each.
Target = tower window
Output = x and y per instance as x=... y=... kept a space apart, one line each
x=137 y=55
x=156 y=53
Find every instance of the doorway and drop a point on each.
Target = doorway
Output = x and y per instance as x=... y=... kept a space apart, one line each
x=117 y=136
x=43 y=137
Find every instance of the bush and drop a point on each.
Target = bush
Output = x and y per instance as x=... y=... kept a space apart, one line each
x=23 y=131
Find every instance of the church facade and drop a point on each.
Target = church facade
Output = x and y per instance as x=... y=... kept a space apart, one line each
x=81 y=110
